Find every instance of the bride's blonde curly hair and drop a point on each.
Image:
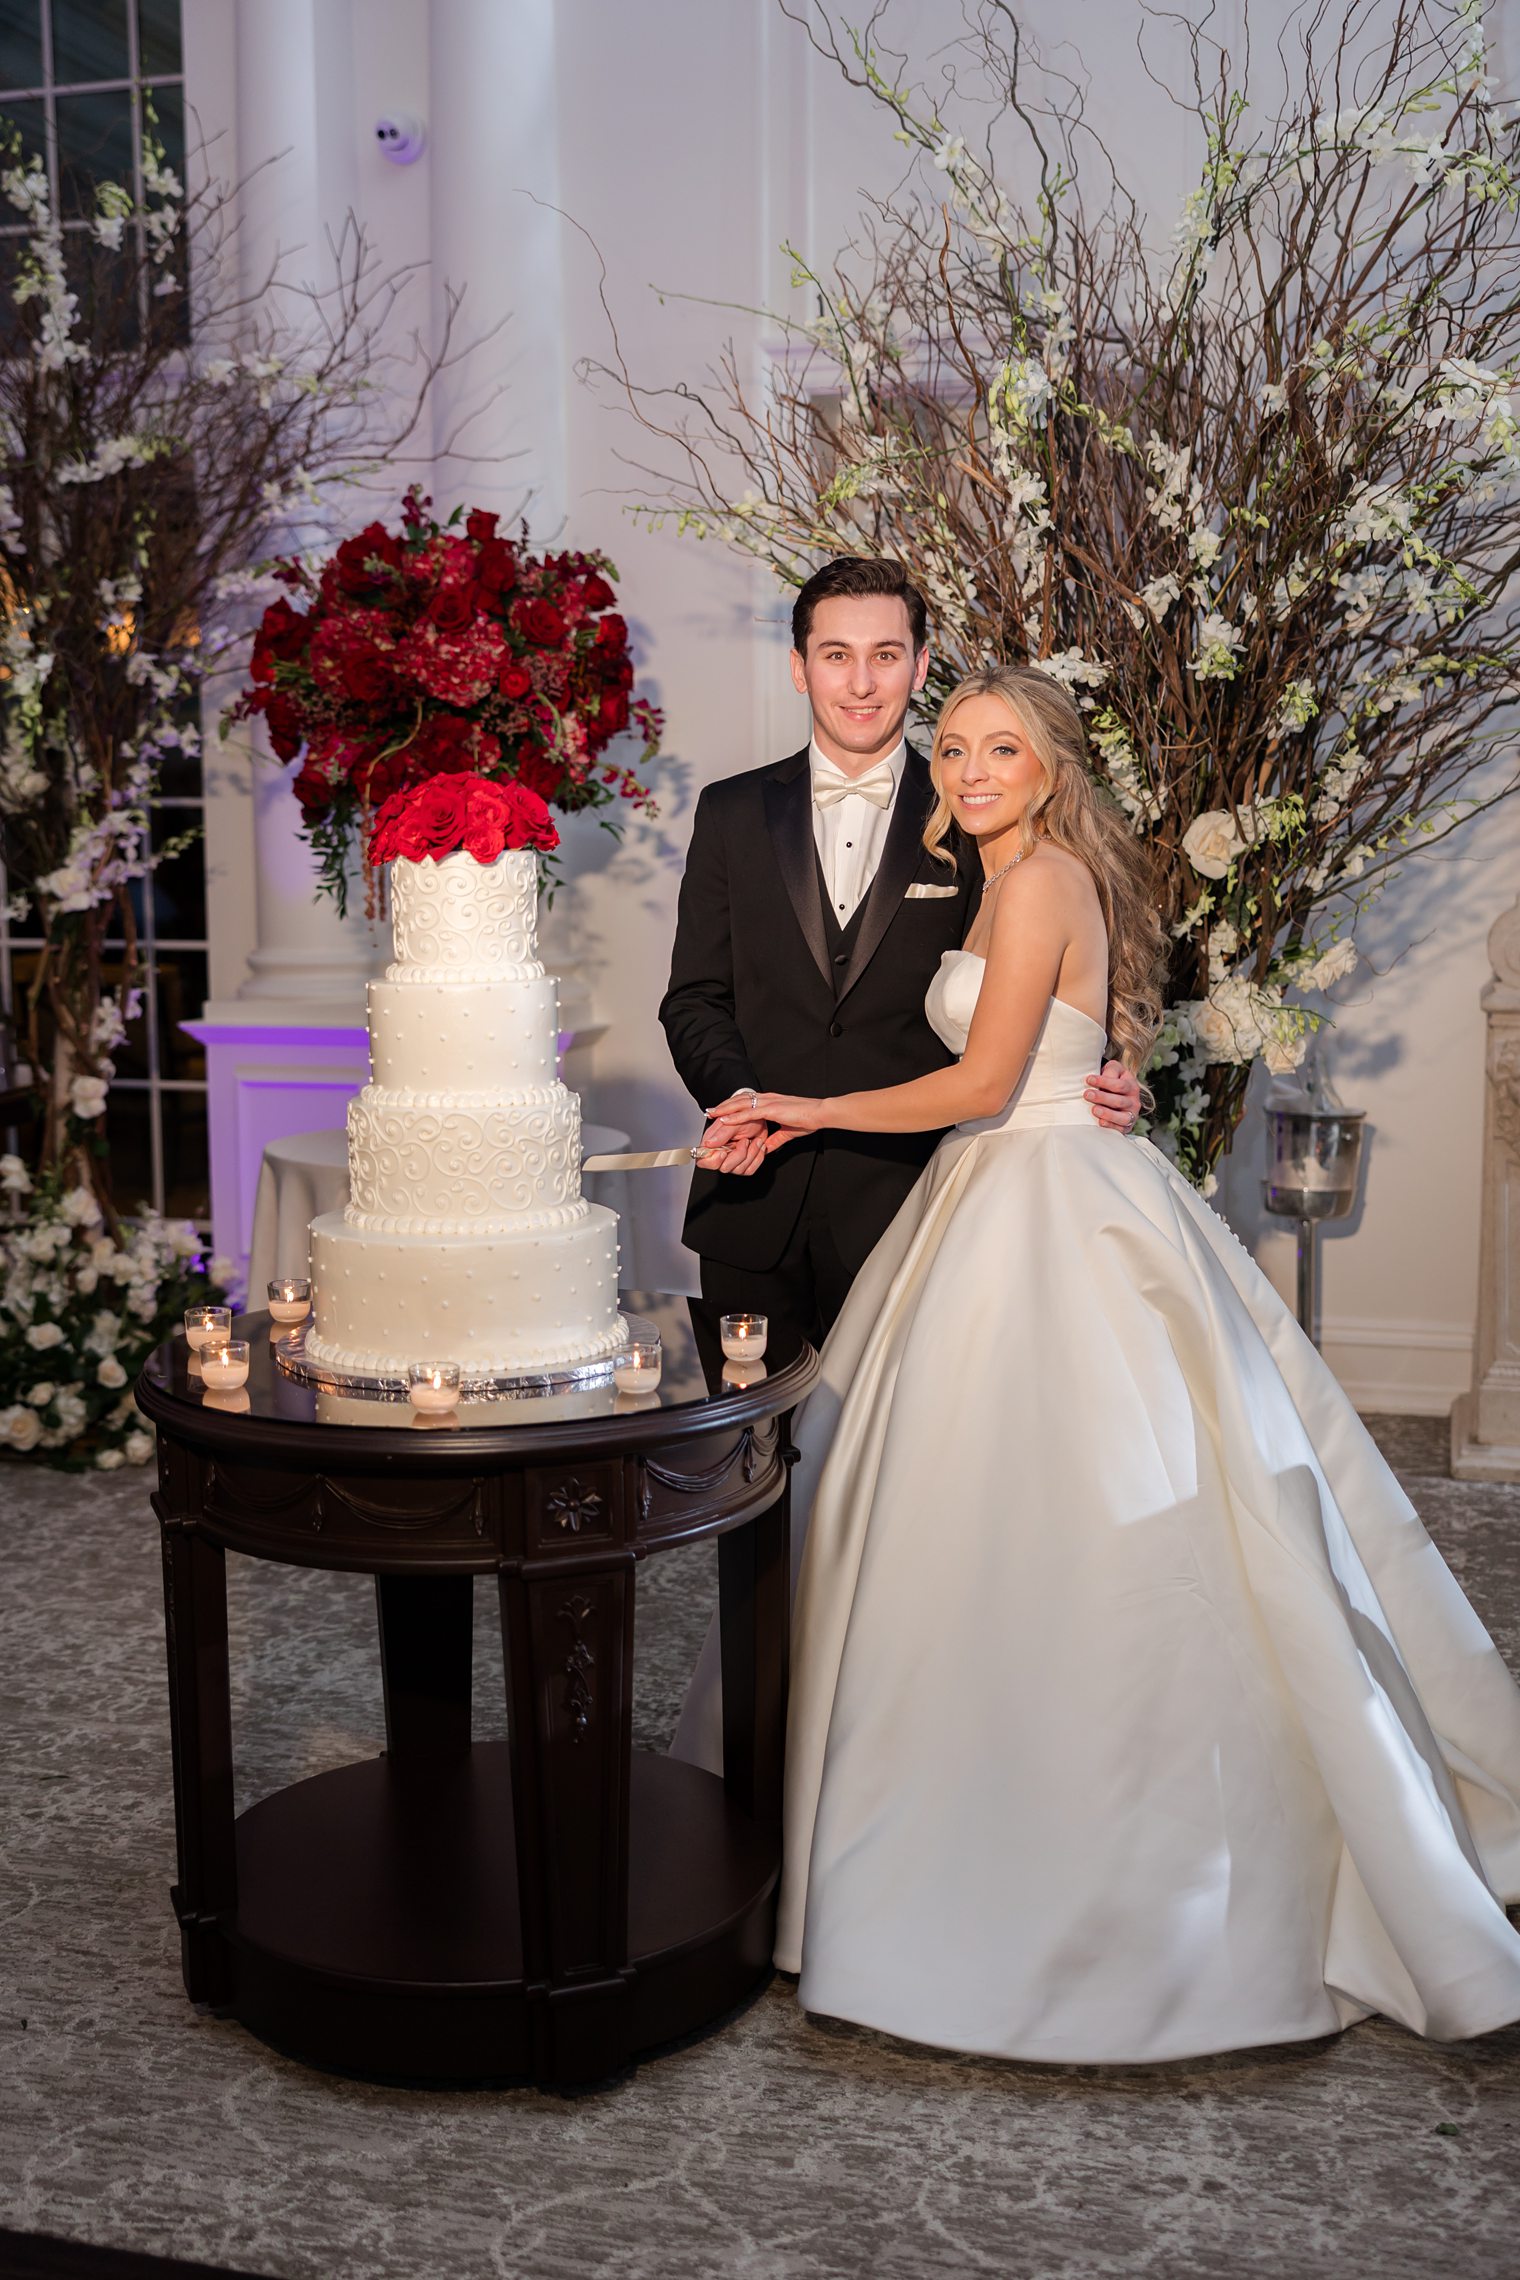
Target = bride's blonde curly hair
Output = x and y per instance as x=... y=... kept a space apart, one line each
x=1071 y=812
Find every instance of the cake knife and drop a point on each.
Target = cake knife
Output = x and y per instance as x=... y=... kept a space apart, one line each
x=642 y=1160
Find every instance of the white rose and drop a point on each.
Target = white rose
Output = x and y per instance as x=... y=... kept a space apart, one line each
x=1225 y=1023
x=22 y=1428
x=44 y=1335
x=102 y=1251
x=1213 y=840
x=1332 y=965
x=1284 y=1052
x=41 y=1394
x=79 y=1208
x=15 y=1179
x=109 y=1460
x=111 y=1372
x=143 y=1303
x=139 y=1448
x=85 y=1280
x=87 y=1098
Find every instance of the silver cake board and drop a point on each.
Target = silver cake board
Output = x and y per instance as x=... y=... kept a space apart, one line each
x=532 y=1385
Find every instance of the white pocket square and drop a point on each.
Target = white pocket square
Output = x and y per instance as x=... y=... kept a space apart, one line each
x=920 y=892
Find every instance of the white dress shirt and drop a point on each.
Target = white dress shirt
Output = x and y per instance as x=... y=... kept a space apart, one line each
x=851 y=834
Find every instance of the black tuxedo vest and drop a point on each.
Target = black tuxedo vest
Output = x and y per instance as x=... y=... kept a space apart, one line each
x=767 y=990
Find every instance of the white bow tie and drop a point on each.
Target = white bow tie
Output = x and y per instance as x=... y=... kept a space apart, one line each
x=878 y=785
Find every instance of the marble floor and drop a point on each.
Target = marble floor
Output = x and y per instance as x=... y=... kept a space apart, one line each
x=784 y=2149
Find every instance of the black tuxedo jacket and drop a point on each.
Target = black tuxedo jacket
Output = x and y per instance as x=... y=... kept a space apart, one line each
x=760 y=994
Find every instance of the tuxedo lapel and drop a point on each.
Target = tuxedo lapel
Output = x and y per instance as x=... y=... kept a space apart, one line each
x=789 y=816
x=899 y=860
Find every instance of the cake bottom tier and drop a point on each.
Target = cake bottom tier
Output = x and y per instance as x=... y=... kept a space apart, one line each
x=494 y=1304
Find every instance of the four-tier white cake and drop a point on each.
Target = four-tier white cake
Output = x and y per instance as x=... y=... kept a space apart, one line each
x=466 y=1238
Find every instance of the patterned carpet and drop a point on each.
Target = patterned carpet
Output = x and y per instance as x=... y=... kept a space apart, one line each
x=783 y=2149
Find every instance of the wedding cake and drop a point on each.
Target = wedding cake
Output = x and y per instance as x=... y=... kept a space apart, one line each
x=466 y=1238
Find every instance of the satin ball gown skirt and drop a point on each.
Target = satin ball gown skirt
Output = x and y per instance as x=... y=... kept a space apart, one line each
x=1134 y=1715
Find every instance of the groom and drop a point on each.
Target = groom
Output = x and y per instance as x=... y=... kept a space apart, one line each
x=812 y=920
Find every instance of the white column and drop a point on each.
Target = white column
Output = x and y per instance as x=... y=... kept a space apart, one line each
x=297 y=163
x=1485 y=1422
x=493 y=150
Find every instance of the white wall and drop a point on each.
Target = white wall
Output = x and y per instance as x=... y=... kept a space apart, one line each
x=688 y=140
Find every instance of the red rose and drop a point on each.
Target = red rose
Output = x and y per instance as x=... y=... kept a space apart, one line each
x=281 y=639
x=313 y=791
x=496 y=569
x=596 y=593
x=453 y=608
x=448 y=812
x=540 y=622
x=365 y=567
x=537 y=773
x=286 y=733
x=612 y=633
x=612 y=715
x=514 y=680
x=479 y=525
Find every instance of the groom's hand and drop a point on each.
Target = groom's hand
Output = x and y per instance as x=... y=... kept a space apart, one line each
x=1114 y=1097
x=737 y=1146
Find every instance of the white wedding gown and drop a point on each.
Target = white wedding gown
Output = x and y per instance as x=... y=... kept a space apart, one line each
x=1134 y=1715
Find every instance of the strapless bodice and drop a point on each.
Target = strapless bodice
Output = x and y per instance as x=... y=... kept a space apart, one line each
x=1064 y=1055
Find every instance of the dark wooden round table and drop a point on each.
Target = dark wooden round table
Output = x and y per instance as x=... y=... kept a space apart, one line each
x=543 y=1909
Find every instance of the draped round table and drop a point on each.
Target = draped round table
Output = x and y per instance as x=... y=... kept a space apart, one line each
x=542 y=1909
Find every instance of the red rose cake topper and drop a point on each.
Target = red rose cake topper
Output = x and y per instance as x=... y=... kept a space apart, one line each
x=442 y=650
x=448 y=815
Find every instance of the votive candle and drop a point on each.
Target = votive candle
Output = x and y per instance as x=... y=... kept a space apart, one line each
x=290 y=1298
x=743 y=1336
x=203 y=1323
x=224 y=1364
x=636 y=1366
x=433 y=1385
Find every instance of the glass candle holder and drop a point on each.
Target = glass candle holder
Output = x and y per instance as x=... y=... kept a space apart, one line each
x=636 y=1366
x=743 y=1336
x=433 y=1385
x=205 y=1323
x=290 y=1298
x=224 y=1364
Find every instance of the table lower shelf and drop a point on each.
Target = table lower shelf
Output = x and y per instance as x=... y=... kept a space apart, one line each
x=378 y=1930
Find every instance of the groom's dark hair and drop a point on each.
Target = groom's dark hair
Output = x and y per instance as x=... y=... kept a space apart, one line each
x=857 y=576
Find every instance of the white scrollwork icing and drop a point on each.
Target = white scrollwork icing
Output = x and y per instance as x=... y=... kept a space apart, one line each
x=462 y=920
x=471 y=1161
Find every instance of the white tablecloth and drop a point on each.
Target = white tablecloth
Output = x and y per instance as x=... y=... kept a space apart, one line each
x=307 y=1174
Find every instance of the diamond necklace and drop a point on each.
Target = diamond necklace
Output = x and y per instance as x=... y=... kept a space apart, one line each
x=993 y=877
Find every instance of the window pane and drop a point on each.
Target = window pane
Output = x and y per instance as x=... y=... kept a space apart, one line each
x=89 y=40
x=187 y=1181
x=105 y=283
x=28 y=122
x=182 y=993
x=94 y=145
x=179 y=883
x=158 y=47
x=20 y=43
x=130 y=1164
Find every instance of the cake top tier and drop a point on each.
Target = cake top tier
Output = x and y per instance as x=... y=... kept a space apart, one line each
x=461 y=920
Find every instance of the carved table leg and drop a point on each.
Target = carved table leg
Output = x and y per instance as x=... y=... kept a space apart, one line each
x=425 y=1653
x=754 y=1625
x=567 y=1630
x=200 y=1725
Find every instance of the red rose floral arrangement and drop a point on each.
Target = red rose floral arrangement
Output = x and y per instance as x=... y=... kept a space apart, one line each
x=438 y=650
x=447 y=814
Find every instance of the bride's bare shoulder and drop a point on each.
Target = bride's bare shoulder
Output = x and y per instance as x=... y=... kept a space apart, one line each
x=1054 y=876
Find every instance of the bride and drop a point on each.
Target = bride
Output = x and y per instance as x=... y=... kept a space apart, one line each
x=1134 y=1715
